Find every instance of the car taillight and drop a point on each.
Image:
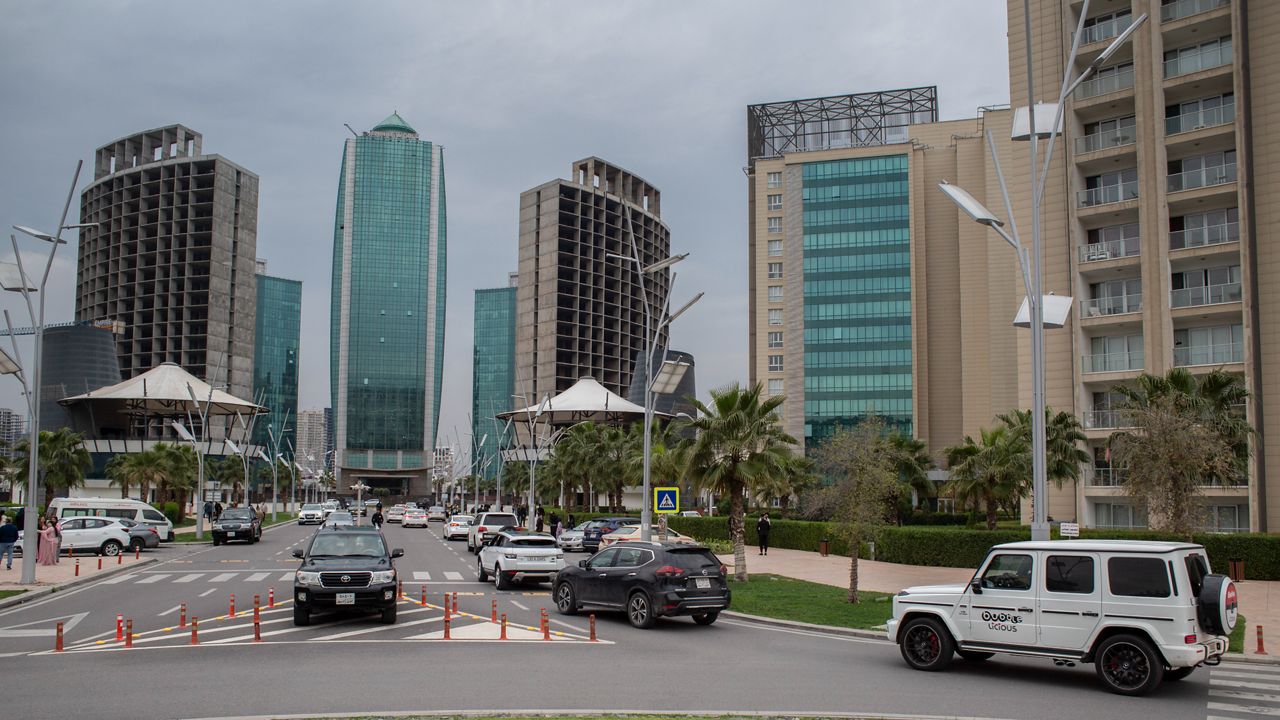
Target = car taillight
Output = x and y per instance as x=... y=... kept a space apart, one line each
x=668 y=571
x=1190 y=639
x=724 y=570
x=605 y=531
x=482 y=529
x=154 y=532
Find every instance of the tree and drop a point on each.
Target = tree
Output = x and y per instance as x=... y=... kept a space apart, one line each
x=739 y=444
x=177 y=467
x=863 y=462
x=141 y=468
x=795 y=477
x=912 y=462
x=993 y=472
x=63 y=461
x=1062 y=436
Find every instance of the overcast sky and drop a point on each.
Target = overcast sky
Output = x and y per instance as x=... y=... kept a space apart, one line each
x=514 y=91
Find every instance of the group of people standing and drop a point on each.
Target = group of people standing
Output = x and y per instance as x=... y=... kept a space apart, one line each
x=47 y=548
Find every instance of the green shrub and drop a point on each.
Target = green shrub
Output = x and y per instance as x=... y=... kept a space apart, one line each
x=921 y=517
x=170 y=511
x=940 y=546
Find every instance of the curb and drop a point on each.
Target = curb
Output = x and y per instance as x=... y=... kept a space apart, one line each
x=43 y=590
x=810 y=627
x=1255 y=659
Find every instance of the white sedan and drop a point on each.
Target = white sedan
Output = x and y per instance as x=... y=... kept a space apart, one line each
x=632 y=532
x=413 y=517
x=457 y=527
x=395 y=514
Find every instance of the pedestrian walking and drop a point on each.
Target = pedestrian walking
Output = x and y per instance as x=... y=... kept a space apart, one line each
x=537 y=519
x=8 y=538
x=217 y=510
x=763 y=526
x=555 y=525
x=522 y=513
x=208 y=510
x=377 y=518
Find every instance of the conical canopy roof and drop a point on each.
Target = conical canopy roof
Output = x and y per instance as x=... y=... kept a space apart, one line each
x=168 y=389
x=586 y=400
x=395 y=123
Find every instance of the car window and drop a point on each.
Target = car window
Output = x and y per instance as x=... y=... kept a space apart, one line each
x=503 y=520
x=311 y=506
x=631 y=557
x=1197 y=568
x=75 y=512
x=126 y=523
x=73 y=524
x=1068 y=574
x=1008 y=572
x=150 y=514
x=603 y=560
x=96 y=523
x=119 y=513
x=533 y=542
x=1138 y=577
x=694 y=559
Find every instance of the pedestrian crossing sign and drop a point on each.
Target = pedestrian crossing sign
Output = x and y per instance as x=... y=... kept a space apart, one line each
x=666 y=500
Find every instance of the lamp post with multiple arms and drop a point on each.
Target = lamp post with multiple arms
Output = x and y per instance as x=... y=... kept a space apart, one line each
x=32 y=392
x=262 y=455
x=198 y=505
x=1027 y=127
x=243 y=459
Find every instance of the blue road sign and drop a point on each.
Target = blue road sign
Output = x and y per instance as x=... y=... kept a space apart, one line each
x=666 y=500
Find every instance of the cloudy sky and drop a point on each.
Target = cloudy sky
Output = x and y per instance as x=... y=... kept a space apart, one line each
x=514 y=91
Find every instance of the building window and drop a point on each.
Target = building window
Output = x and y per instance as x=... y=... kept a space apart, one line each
x=775 y=248
x=1119 y=515
x=775 y=363
x=775 y=293
x=775 y=224
x=775 y=271
x=775 y=202
x=775 y=317
x=775 y=179
x=775 y=339
x=775 y=386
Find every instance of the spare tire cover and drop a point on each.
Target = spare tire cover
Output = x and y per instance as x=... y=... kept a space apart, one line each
x=1220 y=604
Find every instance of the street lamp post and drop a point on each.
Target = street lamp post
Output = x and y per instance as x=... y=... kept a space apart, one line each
x=1031 y=267
x=245 y=461
x=196 y=506
x=262 y=454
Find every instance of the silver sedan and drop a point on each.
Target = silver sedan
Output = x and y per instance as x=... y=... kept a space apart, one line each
x=571 y=540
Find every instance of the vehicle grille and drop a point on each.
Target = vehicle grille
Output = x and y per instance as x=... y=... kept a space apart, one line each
x=336 y=579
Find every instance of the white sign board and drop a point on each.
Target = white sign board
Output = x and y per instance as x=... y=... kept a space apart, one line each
x=1071 y=530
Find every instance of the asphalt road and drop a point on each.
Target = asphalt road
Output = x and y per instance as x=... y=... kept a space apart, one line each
x=357 y=665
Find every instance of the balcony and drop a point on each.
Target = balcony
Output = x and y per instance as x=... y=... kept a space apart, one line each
x=1208 y=354
x=1106 y=84
x=1112 y=362
x=1108 y=419
x=1199 y=120
x=1114 y=305
x=1105 y=30
x=1110 y=250
x=1105 y=140
x=1204 y=177
x=1186 y=8
x=1106 y=477
x=1205 y=295
x=1196 y=61
x=1203 y=236
x=1109 y=194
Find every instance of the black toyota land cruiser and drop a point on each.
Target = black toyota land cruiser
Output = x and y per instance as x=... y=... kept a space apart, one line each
x=346 y=568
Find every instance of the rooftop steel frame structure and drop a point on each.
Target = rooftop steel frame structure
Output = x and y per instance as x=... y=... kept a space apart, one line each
x=837 y=121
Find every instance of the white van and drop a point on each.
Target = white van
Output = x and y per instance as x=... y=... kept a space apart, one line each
x=135 y=510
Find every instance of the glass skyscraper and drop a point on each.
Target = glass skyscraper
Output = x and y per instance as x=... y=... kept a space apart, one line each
x=275 y=357
x=493 y=373
x=387 y=337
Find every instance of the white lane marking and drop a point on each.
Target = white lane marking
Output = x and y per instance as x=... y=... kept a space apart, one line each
x=1247 y=667
x=825 y=636
x=152 y=579
x=1251 y=709
x=222 y=577
x=25 y=629
x=449 y=575
x=170 y=611
x=376 y=628
x=206 y=592
x=1244 y=674
x=421 y=576
x=1243 y=695
x=189 y=578
x=256 y=577
x=286 y=576
x=1213 y=681
x=522 y=607
x=118 y=579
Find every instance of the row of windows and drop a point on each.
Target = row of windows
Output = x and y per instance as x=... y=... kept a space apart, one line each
x=836 y=408
x=859 y=358
x=855 y=261
x=853 y=383
x=865 y=190
x=855 y=167
x=875 y=284
x=839 y=216
x=879 y=238
x=818 y=335
x=874 y=308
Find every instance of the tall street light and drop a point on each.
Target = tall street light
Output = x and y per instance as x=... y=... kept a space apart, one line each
x=262 y=455
x=245 y=461
x=198 y=505
x=1027 y=127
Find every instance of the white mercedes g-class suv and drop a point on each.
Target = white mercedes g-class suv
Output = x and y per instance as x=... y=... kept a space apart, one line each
x=1142 y=612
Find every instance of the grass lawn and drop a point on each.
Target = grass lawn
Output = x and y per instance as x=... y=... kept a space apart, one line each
x=1237 y=636
x=787 y=599
x=10 y=593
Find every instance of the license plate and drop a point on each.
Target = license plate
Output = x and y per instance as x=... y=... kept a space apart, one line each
x=346 y=599
x=231 y=534
x=702 y=583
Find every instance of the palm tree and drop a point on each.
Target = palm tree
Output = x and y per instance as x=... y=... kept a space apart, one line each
x=177 y=466
x=912 y=461
x=739 y=444
x=1063 y=436
x=63 y=461
x=992 y=472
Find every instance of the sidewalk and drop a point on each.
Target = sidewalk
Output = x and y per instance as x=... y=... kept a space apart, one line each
x=1259 y=599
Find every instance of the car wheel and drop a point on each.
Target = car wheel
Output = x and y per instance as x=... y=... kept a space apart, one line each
x=926 y=644
x=301 y=616
x=389 y=615
x=137 y=544
x=640 y=610
x=974 y=655
x=1128 y=665
x=706 y=618
x=501 y=580
x=1177 y=674
x=481 y=575
x=112 y=548
x=566 y=599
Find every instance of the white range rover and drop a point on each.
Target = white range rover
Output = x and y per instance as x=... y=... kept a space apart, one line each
x=1142 y=612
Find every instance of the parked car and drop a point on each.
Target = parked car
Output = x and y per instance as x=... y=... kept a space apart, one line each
x=311 y=513
x=127 y=509
x=347 y=568
x=238 y=523
x=1142 y=612
x=457 y=527
x=571 y=540
x=690 y=513
x=487 y=524
x=646 y=580
x=603 y=526
x=632 y=532
x=141 y=536
x=513 y=556
x=414 y=517
x=339 y=519
x=437 y=513
x=394 y=514
x=99 y=535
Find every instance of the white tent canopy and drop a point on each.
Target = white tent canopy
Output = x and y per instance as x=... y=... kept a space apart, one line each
x=586 y=400
x=167 y=389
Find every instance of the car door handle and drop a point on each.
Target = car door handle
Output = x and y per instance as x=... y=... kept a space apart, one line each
x=603 y=575
x=1025 y=610
x=1089 y=613
x=631 y=574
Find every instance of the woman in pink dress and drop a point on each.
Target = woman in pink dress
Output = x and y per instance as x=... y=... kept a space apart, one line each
x=47 y=552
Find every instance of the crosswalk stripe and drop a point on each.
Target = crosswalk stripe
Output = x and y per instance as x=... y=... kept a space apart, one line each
x=421 y=576
x=1243 y=675
x=189 y=578
x=1251 y=709
x=1249 y=667
x=1243 y=695
x=256 y=577
x=449 y=575
x=222 y=577
x=119 y=579
x=1213 y=681
x=286 y=576
x=151 y=579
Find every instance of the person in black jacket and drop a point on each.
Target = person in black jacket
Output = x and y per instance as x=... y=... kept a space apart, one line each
x=763 y=526
x=377 y=519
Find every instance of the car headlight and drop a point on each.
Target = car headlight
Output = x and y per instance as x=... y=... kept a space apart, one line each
x=383 y=576
x=307 y=578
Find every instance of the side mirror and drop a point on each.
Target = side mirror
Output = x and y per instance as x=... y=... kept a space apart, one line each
x=976 y=586
x=582 y=563
x=398 y=552
x=297 y=552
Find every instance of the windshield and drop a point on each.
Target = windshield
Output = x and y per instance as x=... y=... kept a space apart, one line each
x=693 y=559
x=311 y=506
x=340 y=516
x=237 y=514
x=500 y=520
x=534 y=542
x=363 y=545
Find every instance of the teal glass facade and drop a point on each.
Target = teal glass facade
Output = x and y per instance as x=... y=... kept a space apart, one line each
x=388 y=302
x=276 y=333
x=493 y=373
x=857 y=294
